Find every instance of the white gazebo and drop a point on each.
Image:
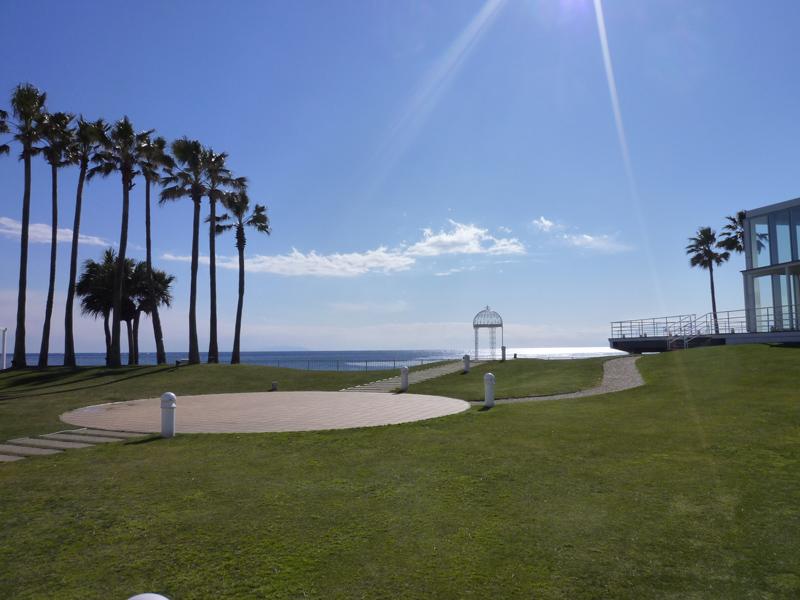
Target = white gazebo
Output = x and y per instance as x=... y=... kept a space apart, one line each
x=488 y=319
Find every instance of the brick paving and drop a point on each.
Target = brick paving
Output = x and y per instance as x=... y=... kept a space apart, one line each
x=268 y=411
x=58 y=442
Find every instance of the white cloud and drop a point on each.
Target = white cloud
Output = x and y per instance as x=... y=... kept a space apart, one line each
x=449 y=272
x=543 y=224
x=504 y=229
x=40 y=233
x=599 y=243
x=596 y=242
x=461 y=239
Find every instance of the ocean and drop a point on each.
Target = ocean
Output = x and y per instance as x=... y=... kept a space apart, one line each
x=344 y=360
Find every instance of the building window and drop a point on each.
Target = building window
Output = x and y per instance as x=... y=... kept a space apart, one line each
x=783 y=236
x=759 y=241
x=796 y=231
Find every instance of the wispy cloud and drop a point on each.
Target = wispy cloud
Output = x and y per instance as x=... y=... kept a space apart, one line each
x=40 y=233
x=460 y=239
x=560 y=233
x=455 y=270
x=543 y=224
x=393 y=307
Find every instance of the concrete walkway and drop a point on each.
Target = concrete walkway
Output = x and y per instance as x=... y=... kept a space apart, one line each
x=618 y=374
x=256 y=412
x=55 y=443
x=391 y=384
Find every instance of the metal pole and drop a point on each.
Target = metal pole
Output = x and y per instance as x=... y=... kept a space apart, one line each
x=5 y=330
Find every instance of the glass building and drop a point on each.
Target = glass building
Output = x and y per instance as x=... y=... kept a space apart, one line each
x=772 y=276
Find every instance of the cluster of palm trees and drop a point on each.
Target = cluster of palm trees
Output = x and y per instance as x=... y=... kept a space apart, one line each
x=706 y=251
x=183 y=169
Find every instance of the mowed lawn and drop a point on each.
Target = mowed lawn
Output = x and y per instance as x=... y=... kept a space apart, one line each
x=517 y=378
x=688 y=487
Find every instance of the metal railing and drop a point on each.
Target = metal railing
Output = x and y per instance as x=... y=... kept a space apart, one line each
x=348 y=365
x=755 y=320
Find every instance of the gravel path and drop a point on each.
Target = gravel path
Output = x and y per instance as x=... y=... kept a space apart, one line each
x=618 y=374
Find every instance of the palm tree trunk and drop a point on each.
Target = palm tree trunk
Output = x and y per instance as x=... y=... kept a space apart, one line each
x=69 y=338
x=119 y=276
x=136 y=320
x=107 y=331
x=161 y=355
x=18 y=362
x=713 y=299
x=44 y=349
x=213 y=350
x=238 y=330
x=194 y=350
x=131 y=348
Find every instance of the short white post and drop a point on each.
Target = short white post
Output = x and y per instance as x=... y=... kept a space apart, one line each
x=466 y=363
x=168 y=414
x=488 y=390
x=274 y=387
x=403 y=379
x=503 y=351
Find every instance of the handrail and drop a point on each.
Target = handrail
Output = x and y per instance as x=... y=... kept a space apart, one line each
x=754 y=320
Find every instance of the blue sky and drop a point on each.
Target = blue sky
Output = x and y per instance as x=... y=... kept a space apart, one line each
x=423 y=159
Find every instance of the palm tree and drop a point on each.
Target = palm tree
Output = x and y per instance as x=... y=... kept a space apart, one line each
x=95 y=288
x=120 y=152
x=153 y=158
x=27 y=105
x=86 y=142
x=702 y=254
x=217 y=177
x=57 y=135
x=150 y=288
x=4 y=148
x=185 y=180
x=238 y=206
x=732 y=237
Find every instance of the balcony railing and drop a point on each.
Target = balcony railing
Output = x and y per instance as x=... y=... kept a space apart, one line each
x=755 y=320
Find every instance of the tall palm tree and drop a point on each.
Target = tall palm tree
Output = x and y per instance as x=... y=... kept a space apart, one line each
x=57 y=135
x=27 y=106
x=702 y=254
x=88 y=135
x=119 y=153
x=153 y=159
x=150 y=288
x=217 y=177
x=95 y=288
x=185 y=180
x=238 y=206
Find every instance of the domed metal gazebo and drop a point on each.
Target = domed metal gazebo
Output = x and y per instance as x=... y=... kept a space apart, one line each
x=488 y=319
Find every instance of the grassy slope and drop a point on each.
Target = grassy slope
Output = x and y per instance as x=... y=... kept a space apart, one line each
x=518 y=378
x=31 y=401
x=685 y=488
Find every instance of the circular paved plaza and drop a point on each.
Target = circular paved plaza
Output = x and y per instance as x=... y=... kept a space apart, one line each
x=268 y=411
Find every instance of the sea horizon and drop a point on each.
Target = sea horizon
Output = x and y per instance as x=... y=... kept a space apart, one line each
x=342 y=359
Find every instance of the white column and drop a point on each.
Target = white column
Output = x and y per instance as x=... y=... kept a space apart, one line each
x=404 y=379
x=488 y=390
x=466 y=363
x=168 y=405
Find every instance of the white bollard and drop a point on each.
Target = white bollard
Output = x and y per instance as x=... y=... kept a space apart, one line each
x=503 y=351
x=488 y=390
x=466 y=363
x=274 y=387
x=168 y=414
x=403 y=379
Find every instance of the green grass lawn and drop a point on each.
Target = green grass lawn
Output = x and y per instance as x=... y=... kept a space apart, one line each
x=688 y=487
x=517 y=378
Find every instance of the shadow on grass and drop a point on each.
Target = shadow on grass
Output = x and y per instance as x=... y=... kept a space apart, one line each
x=154 y=437
x=105 y=373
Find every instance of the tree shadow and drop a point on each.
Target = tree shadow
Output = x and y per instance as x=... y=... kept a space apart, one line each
x=141 y=372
